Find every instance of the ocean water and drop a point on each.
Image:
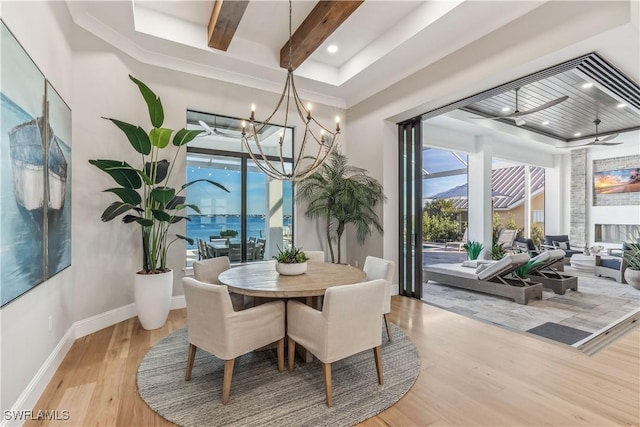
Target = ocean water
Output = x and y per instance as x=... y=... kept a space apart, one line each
x=204 y=226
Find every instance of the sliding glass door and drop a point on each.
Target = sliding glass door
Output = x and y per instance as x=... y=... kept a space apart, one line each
x=410 y=212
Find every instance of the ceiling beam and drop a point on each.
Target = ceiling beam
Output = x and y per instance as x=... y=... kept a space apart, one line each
x=323 y=20
x=225 y=18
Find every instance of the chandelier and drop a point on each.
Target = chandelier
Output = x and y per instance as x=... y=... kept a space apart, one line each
x=317 y=141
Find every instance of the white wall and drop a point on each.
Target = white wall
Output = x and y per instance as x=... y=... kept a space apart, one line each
x=27 y=341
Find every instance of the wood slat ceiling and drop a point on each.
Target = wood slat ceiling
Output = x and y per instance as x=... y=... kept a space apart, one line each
x=575 y=115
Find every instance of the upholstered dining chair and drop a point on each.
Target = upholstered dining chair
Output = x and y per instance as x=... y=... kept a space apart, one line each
x=214 y=326
x=208 y=270
x=378 y=268
x=315 y=256
x=348 y=324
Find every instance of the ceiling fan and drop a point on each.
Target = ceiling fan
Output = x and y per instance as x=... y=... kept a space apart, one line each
x=517 y=114
x=604 y=141
x=215 y=131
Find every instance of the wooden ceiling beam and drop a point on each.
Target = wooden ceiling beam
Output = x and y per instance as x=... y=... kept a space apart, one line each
x=225 y=18
x=323 y=20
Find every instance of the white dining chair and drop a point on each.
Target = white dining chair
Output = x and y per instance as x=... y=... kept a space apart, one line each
x=214 y=326
x=378 y=268
x=208 y=270
x=315 y=256
x=348 y=324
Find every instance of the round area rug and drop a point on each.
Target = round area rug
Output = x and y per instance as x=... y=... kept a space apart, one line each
x=262 y=396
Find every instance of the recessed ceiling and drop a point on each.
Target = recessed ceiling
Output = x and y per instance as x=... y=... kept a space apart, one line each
x=381 y=43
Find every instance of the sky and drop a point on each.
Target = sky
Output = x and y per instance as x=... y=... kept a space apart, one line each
x=213 y=200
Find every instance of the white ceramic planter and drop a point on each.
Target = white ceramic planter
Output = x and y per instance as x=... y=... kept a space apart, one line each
x=632 y=277
x=153 y=298
x=291 y=269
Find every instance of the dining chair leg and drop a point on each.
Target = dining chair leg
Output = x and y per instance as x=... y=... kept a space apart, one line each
x=281 y=355
x=226 y=382
x=388 y=324
x=326 y=369
x=190 y=359
x=292 y=353
x=378 y=356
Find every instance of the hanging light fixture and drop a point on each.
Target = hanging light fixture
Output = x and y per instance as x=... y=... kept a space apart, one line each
x=317 y=141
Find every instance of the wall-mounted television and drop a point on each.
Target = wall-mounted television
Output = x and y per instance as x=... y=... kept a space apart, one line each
x=617 y=181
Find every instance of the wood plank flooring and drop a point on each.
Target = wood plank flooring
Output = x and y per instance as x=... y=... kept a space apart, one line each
x=472 y=374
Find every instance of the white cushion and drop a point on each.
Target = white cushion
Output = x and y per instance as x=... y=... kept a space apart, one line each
x=503 y=266
x=378 y=268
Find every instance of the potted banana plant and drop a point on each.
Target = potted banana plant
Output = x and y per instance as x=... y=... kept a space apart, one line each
x=146 y=200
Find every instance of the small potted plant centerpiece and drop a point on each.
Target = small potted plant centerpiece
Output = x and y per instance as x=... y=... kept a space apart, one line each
x=291 y=261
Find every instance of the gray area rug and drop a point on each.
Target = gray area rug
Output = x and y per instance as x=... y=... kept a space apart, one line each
x=598 y=303
x=261 y=396
x=558 y=332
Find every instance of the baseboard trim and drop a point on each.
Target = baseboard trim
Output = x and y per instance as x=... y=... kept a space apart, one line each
x=100 y=321
x=31 y=394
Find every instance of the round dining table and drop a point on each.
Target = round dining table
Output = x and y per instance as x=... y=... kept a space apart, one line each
x=260 y=279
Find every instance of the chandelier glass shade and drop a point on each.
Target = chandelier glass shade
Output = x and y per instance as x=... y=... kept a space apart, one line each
x=316 y=143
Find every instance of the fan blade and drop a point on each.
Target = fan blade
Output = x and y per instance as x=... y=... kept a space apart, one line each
x=603 y=142
x=542 y=107
x=205 y=127
x=609 y=138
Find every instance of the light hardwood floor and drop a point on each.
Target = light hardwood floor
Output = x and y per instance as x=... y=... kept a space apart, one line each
x=472 y=374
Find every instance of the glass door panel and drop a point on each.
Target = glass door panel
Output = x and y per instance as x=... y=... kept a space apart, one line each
x=217 y=230
x=269 y=214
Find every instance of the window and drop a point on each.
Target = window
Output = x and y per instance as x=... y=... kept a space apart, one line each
x=255 y=218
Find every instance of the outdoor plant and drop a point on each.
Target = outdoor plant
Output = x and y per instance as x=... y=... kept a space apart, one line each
x=497 y=251
x=632 y=250
x=522 y=272
x=145 y=197
x=290 y=255
x=342 y=194
x=228 y=233
x=473 y=249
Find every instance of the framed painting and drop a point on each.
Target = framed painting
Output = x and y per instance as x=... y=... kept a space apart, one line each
x=22 y=171
x=617 y=181
x=58 y=191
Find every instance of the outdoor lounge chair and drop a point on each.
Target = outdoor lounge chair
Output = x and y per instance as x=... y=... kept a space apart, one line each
x=506 y=239
x=489 y=278
x=545 y=273
x=461 y=243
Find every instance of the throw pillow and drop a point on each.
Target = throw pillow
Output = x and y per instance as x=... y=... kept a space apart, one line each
x=562 y=245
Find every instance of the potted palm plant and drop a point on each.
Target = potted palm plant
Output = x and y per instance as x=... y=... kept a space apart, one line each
x=631 y=253
x=291 y=261
x=145 y=199
x=342 y=194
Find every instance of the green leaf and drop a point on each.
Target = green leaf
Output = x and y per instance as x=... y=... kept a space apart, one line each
x=135 y=134
x=194 y=207
x=161 y=215
x=204 y=180
x=188 y=239
x=179 y=218
x=144 y=222
x=116 y=209
x=162 y=168
x=121 y=172
x=156 y=113
x=183 y=136
x=177 y=201
x=163 y=194
x=127 y=195
x=127 y=219
x=160 y=137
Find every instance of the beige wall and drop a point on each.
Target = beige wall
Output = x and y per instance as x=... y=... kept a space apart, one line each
x=537 y=204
